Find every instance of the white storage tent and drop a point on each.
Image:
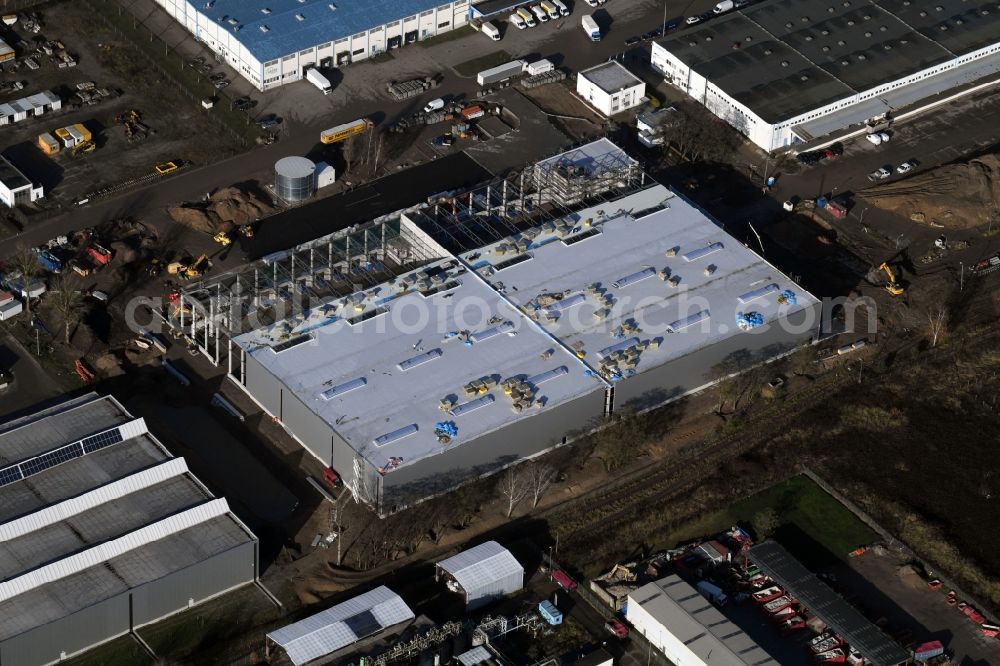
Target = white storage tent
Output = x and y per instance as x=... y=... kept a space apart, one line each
x=484 y=573
x=341 y=626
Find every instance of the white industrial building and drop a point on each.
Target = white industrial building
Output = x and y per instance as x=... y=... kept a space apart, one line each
x=689 y=630
x=29 y=107
x=610 y=88
x=483 y=573
x=273 y=42
x=789 y=71
x=449 y=340
x=15 y=188
x=102 y=531
x=333 y=635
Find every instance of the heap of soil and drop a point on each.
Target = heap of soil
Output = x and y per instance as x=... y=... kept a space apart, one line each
x=955 y=196
x=228 y=207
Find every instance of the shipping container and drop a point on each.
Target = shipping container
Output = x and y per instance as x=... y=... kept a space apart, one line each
x=84 y=132
x=549 y=612
x=10 y=309
x=500 y=73
x=48 y=143
x=564 y=581
x=65 y=137
x=928 y=650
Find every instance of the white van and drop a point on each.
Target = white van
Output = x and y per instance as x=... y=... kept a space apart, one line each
x=518 y=22
x=561 y=6
x=490 y=31
x=550 y=9
x=434 y=105
x=528 y=17
x=539 y=13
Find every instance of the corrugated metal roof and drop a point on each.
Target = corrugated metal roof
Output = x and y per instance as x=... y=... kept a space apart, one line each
x=342 y=625
x=480 y=566
x=108 y=493
x=113 y=548
x=877 y=648
x=475 y=656
x=683 y=612
x=322 y=20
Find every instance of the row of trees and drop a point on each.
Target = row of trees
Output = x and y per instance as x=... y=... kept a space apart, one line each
x=64 y=296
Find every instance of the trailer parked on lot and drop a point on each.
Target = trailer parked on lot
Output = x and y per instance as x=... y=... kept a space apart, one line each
x=347 y=130
x=501 y=72
x=320 y=81
x=549 y=612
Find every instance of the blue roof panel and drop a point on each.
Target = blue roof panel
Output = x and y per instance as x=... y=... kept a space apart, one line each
x=322 y=20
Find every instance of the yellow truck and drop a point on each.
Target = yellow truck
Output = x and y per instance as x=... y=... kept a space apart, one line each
x=345 y=131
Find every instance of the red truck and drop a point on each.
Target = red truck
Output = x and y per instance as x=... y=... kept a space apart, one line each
x=563 y=579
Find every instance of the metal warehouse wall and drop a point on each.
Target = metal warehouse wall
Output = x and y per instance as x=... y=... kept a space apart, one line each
x=675 y=378
x=315 y=434
x=189 y=586
x=485 y=455
x=485 y=594
x=72 y=634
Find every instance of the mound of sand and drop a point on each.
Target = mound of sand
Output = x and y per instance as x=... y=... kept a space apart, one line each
x=954 y=196
x=227 y=208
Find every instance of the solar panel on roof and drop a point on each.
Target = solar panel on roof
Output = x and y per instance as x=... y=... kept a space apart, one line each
x=10 y=475
x=363 y=624
x=101 y=441
x=51 y=459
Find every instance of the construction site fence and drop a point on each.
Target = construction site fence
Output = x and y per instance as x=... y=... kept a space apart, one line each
x=173 y=66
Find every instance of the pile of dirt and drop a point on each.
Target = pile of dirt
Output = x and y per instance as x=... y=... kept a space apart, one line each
x=226 y=208
x=953 y=196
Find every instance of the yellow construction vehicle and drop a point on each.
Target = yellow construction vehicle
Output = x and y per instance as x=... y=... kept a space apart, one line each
x=83 y=148
x=198 y=268
x=223 y=239
x=891 y=286
x=176 y=267
x=625 y=574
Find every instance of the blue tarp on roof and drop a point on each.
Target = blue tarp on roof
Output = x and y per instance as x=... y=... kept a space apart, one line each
x=286 y=33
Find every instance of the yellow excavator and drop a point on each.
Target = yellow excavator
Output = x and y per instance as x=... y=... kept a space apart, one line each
x=193 y=270
x=891 y=286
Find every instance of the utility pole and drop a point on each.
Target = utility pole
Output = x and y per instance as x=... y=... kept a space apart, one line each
x=961 y=276
x=759 y=242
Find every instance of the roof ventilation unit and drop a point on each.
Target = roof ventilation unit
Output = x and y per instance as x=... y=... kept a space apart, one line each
x=472 y=405
x=420 y=359
x=346 y=387
x=634 y=277
x=499 y=329
x=264 y=28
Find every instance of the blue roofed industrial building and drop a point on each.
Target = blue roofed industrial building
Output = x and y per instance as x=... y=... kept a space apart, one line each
x=273 y=42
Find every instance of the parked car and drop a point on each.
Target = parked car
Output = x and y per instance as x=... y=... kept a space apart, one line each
x=874 y=138
x=219 y=85
x=652 y=34
x=691 y=20
x=269 y=122
x=632 y=41
x=905 y=167
x=198 y=60
x=880 y=174
x=885 y=136
x=218 y=76
x=616 y=628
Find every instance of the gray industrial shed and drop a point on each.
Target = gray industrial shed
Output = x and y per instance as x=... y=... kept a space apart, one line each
x=102 y=531
x=484 y=573
x=341 y=626
x=610 y=290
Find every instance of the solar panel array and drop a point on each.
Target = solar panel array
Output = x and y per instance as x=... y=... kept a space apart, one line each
x=40 y=463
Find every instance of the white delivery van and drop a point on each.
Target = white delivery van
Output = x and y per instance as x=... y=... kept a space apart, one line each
x=723 y=7
x=563 y=9
x=539 y=13
x=529 y=18
x=518 y=22
x=550 y=9
x=490 y=31
x=434 y=105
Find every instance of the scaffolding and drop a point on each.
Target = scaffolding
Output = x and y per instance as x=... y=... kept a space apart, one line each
x=286 y=284
x=289 y=283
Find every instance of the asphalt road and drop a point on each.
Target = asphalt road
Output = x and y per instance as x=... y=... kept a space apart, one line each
x=31 y=385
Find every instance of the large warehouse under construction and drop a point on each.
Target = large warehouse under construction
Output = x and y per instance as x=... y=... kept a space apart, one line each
x=486 y=326
x=102 y=531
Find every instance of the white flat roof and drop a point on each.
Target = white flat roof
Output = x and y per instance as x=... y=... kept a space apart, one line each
x=379 y=382
x=619 y=263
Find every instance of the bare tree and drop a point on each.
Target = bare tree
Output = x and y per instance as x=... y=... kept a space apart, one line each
x=540 y=476
x=65 y=301
x=514 y=486
x=350 y=150
x=937 y=323
x=25 y=262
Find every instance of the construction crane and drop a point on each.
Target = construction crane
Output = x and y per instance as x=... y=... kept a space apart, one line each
x=891 y=286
